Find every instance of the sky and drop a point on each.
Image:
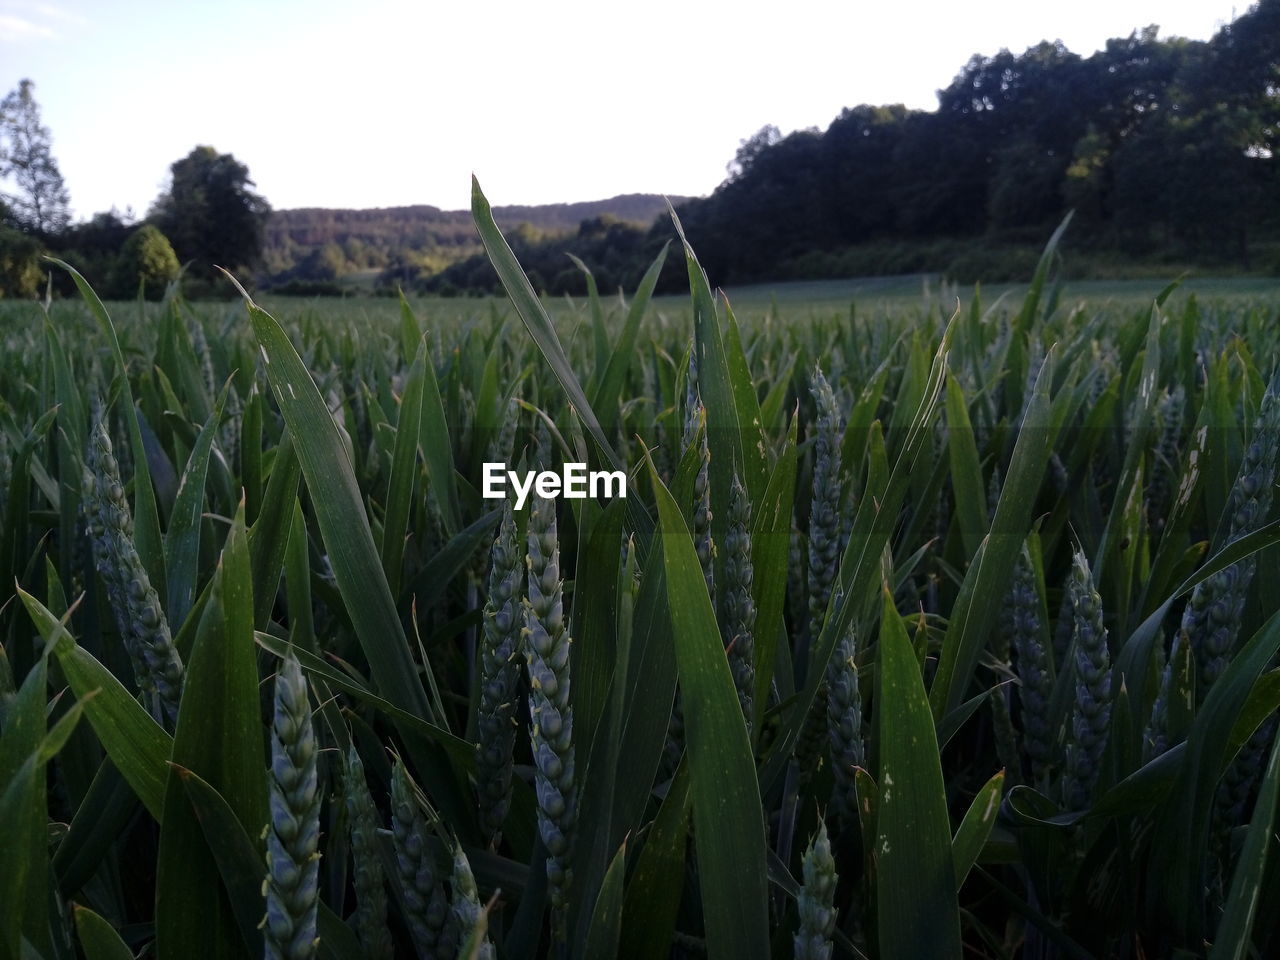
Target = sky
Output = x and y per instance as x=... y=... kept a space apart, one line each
x=369 y=103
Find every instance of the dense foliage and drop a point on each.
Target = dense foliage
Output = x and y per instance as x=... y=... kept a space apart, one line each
x=210 y=214
x=1160 y=145
x=1164 y=148
x=915 y=635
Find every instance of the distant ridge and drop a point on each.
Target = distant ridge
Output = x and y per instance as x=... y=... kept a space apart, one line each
x=423 y=226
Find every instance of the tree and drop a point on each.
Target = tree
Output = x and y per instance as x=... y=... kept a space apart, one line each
x=41 y=204
x=147 y=259
x=20 y=273
x=210 y=214
x=751 y=148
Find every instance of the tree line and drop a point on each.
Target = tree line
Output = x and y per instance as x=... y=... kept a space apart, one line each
x=1159 y=146
x=209 y=214
x=1163 y=148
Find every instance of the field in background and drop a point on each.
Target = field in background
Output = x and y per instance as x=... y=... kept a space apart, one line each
x=807 y=299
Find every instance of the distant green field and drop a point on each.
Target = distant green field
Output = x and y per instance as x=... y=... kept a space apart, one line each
x=818 y=299
x=820 y=296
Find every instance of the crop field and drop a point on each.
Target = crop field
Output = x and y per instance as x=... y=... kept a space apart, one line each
x=940 y=625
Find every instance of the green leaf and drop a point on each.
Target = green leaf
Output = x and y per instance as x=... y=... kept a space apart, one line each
x=754 y=440
x=609 y=391
x=536 y=319
x=594 y=624
x=916 y=872
x=101 y=818
x=1132 y=666
x=1110 y=568
x=339 y=509
x=438 y=572
x=715 y=387
x=242 y=865
x=988 y=577
x=1183 y=824
x=146 y=516
x=404 y=468
x=770 y=550
x=1233 y=939
x=974 y=830
x=1030 y=306
x=437 y=451
x=182 y=541
x=219 y=736
x=606 y=919
x=98 y=938
x=137 y=745
x=269 y=535
x=653 y=895
x=23 y=855
x=251 y=445
x=598 y=333
x=17 y=803
x=462 y=752
x=728 y=822
x=543 y=331
x=966 y=473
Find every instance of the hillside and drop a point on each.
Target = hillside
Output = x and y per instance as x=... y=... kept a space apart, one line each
x=311 y=239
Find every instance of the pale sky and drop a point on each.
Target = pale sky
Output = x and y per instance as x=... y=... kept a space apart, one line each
x=373 y=103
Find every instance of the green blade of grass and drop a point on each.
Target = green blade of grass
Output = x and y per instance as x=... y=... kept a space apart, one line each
x=988 y=577
x=609 y=390
x=98 y=938
x=535 y=319
x=146 y=515
x=1234 y=929
x=753 y=440
x=916 y=872
x=182 y=541
x=1132 y=665
x=599 y=335
x=219 y=735
x=137 y=745
x=652 y=898
x=462 y=752
x=606 y=918
x=269 y=535
x=975 y=828
x=23 y=855
x=437 y=451
x=242 y=866
x=404 y=466
x=543 y=332
x=966 y=473
x=728 y=822
x=340 y=514
x=716 y=390
x=1178 y=862
x=770 y=547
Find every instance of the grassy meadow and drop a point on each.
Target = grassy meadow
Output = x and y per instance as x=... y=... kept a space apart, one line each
x=936 y=622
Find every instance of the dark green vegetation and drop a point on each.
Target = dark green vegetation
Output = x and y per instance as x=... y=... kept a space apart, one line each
x=917 y=635
x=1165 y=150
